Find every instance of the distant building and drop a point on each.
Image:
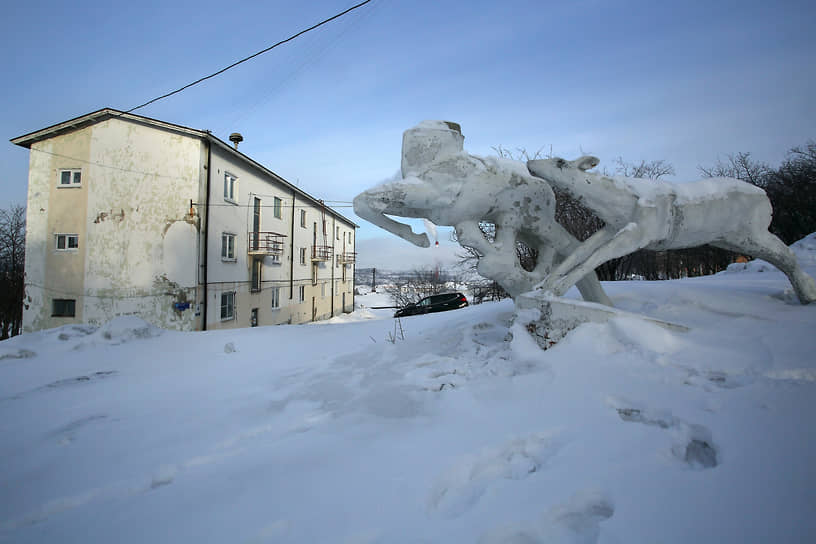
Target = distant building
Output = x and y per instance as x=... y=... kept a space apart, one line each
x=131 y=215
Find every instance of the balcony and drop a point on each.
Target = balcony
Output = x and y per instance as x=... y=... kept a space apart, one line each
x=347 y=257
x=265 y=243
x=321 y=253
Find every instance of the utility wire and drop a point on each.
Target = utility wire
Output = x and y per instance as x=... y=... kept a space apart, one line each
x=309 y=57
x=261 y=52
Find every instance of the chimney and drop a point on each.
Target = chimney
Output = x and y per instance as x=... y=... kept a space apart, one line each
x=236 y=138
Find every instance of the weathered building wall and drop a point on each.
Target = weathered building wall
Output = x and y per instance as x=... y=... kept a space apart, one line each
x=53 y=209
x=142 y=240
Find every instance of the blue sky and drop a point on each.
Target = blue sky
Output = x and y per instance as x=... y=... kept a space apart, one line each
x=684 y=81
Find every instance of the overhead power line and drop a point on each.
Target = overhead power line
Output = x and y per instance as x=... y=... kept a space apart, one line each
x=261 y=52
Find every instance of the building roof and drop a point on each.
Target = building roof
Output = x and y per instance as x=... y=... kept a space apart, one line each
x=27 y=140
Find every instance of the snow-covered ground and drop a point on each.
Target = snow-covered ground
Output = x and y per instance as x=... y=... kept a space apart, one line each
x=623 y=432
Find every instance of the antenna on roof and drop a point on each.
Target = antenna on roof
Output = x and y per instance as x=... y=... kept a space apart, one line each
x=236 y=139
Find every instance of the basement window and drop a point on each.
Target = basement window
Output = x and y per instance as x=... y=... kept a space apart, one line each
x=66 y=242
x=63 y=307
x=70 y=178
x=227 y=305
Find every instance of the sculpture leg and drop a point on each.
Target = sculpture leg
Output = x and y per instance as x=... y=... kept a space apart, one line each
x=769 y=248
x=576 y=257
x=623 y=242
x=589 y=286
x=591 y=290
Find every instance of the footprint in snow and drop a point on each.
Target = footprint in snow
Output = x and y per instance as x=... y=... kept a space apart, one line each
x=462 y=486
x=694 y=444
x=579 y=519
x=576 y=521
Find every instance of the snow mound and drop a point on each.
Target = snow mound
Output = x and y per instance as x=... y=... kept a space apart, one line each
x=124 y=329
x=361 y=314
x=804 y=249
x=755 y=266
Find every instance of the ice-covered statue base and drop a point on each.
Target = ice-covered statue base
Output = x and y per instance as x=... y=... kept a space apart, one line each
x=549 y=318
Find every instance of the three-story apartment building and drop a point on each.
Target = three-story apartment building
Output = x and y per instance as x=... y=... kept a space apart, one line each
x=129 y=215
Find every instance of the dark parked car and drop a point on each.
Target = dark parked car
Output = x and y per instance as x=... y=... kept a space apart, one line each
x=434 y=303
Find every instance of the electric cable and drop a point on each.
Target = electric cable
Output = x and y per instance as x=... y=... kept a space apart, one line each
x=261 y=52
x=310 y=57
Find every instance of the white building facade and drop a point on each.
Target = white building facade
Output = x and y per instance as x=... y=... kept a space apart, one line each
x=129 y=215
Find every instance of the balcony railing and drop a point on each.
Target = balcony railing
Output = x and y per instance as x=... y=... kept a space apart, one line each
x=265 y=243
x=347 y=257
x=321 y=253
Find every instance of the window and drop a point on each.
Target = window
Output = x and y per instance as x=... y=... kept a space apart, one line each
x=303 y=218
x=323 y=289
x=70 y=178
x=301 y=293
x=303 y=255
x=228 y=305
x=66 y=242
x=277 y=207
x=314 y=273
x=257 y=266
x=230 y=183
x=227 y=246
x=274 y=259
x=63 y=307
x=337 y=233
x=275 y=297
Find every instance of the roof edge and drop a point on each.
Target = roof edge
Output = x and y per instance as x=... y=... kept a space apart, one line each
x=26 y=140
x=230 y=149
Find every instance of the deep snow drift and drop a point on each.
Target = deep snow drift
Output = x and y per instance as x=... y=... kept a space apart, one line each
x=622 y=432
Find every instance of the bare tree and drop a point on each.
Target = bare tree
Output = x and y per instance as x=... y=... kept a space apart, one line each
x=420 y=283
x=12 y=270
x=792 y=190
x=739 y=166
x=651 y=169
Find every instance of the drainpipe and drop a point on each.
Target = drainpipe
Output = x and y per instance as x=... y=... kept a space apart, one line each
x=206 y=231
x=333 y=263
x=354 y=273
x=292 y=251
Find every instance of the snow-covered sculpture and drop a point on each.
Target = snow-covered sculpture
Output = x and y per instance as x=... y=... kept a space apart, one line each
x=654 y=214
x=447 y=186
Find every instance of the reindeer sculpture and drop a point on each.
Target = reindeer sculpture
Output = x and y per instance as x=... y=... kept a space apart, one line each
x=449 y=187
x=658 y=215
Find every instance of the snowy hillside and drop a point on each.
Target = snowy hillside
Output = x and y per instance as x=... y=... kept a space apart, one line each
x=621 y=433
